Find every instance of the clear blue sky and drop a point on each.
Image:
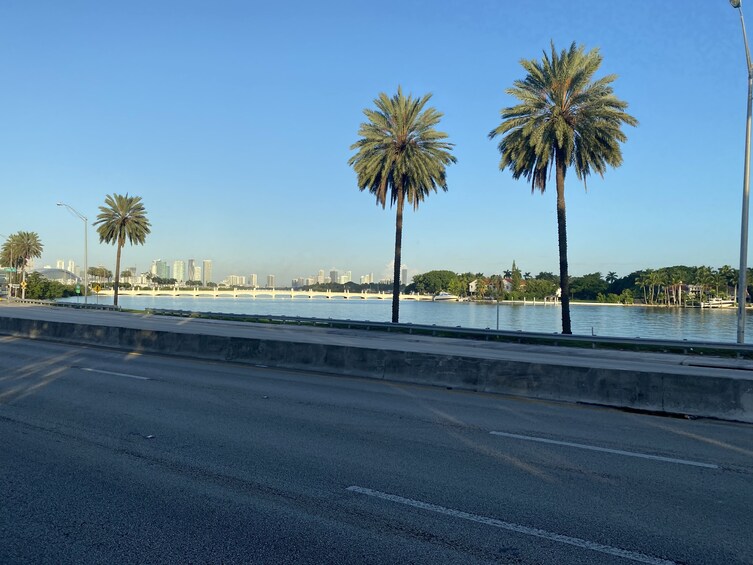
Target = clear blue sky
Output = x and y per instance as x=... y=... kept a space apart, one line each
x=233 y=121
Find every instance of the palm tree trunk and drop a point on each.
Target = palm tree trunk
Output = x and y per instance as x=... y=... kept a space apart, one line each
x=117 y=272
x=398 y=253
x=562 y=238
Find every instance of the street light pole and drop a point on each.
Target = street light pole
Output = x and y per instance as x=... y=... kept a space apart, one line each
x=86 y=248
x=742 y=282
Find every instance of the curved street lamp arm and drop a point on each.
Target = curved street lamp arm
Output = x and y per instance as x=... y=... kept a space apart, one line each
x=72 y=210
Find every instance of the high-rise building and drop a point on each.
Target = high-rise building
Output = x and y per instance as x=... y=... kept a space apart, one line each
x=320 y=277
x=71 y=266
x=206 y=266
x=160 y=269
x=253 y=280
x=191 y=272
x=270 y=281
x=60 y=264
x=235 y=280
x=404 y=276
x=197 y=273
x=334 y=276
x=179 y=271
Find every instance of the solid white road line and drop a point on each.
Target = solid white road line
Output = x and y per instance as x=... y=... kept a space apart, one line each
x=577 y=542
x=607 y=450
x=115 y=374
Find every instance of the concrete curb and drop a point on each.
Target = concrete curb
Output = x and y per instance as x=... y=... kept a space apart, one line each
x=728 y=397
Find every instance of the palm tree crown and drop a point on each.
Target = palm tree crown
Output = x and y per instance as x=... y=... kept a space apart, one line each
x=401 y=157
x=122 y=218
x=400 y=154
x=564 y=119
x=27 y=245
x=562 y=111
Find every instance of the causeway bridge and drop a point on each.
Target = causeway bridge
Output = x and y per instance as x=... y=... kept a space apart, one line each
x=260 y=293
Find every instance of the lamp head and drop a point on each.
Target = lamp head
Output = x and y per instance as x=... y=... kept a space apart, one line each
x=735 y=3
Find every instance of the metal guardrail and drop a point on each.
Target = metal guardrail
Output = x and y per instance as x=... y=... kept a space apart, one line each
x=555 y=339
x=65 y=304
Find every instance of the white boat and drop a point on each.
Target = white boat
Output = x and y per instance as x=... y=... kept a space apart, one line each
x=719 y=303
x=445 y=296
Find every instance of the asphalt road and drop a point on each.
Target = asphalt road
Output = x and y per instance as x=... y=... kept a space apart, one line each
x=114 y=457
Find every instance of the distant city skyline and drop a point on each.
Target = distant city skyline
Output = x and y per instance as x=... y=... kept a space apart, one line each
x=176 y=269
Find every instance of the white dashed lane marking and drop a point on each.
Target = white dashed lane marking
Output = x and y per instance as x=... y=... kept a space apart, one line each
x=607 y=450
x=509 y=526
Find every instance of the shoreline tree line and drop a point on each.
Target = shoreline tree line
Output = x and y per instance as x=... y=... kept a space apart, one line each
x=679 y=285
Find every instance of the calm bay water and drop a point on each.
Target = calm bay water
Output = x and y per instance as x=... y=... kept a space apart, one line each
x=607 y=320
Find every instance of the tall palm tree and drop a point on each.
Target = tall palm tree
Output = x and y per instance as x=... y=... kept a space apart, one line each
x=121 y=218
x=401 y=158
x=563 y=120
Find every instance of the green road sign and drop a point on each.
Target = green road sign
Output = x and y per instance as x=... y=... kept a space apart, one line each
x=78 y=289
x=10 y=269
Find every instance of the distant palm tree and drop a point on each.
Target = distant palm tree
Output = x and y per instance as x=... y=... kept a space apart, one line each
x=28 y=246
x=730 y=277
x=675 y=280
x=121 y=218
x=23 y=246
x=401 y=158
x=705 y=278
x=9 y=253
x=611 y=277
x=563 y=120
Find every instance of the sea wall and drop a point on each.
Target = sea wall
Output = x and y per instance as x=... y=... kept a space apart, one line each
x=725 y=395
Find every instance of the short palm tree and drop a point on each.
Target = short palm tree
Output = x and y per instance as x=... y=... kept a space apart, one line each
x=121 y=218
x=20 y=248
x=9 y=253
x=401 y=158
x=564 y=120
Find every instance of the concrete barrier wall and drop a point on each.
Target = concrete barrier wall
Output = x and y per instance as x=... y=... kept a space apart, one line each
x=698 y=395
